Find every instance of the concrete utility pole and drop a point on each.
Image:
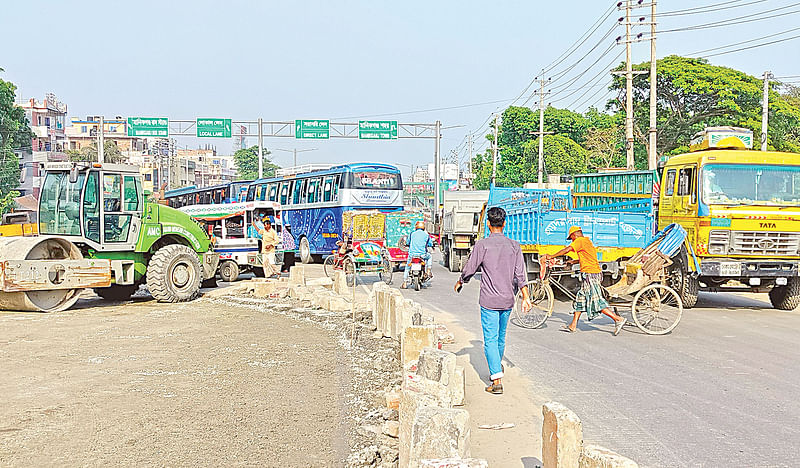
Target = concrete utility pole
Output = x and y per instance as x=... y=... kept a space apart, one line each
x=436 y=158
x=260 y=149
x=494 y=151
x=540 y=173
x=765 y=110
x=628 y=89
x=101 y=149
x=652 y=156
x=469 y=152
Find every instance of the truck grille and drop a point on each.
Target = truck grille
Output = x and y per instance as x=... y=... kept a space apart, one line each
x=764 y=243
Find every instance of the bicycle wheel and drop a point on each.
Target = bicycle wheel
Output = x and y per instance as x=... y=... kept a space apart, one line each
x=329 y=265
x=385 y=272
x=541 y=296
x=657 y=309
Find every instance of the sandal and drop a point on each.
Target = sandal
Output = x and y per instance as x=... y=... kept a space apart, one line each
x=618 y=326
x=565 y=328
x=496 y=389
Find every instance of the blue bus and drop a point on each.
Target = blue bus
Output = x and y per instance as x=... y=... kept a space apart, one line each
x=231 y=192
x=312 y=201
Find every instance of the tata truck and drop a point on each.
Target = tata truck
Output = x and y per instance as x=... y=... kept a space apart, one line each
x=460 y=225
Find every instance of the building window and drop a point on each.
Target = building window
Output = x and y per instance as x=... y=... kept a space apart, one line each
x=83 y=128
x=148 y=177
x=39 y=120
x=47 y=121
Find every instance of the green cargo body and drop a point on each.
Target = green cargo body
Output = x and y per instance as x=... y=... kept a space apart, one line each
x=630 y=183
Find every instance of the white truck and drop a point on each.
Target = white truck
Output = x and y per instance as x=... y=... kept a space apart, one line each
x=460 y=225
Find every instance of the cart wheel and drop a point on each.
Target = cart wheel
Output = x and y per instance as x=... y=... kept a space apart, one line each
x=657 y=309
x=349 y=272
x=541 y=295
x=385 y=273
x=329 y=265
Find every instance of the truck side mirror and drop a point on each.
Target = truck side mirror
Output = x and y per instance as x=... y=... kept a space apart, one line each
x=73 y=175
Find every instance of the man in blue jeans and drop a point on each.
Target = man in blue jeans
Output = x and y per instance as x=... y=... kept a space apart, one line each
x=418 y=244
x=500 y=260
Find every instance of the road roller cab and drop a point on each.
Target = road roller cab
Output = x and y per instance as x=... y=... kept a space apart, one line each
x=97 y=215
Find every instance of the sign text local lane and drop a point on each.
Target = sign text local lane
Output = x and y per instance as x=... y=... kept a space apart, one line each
x=148 y=126
x=377 y=129
x=213 y=128
x=312 y=129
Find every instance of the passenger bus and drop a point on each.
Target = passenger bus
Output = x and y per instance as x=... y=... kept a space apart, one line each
x=229 y=225
x=231 y=192
x=313 y=199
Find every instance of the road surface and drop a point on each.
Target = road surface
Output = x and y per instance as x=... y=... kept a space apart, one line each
x=720 y=390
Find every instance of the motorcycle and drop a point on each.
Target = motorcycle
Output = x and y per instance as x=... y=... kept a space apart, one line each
x=419 y=274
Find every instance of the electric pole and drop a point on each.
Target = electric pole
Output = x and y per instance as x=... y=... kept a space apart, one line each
x=628 y=89
x=101 y=154
x=540 y=174
x=653 y=134
x=436 y=157
x=765 y=110
x=494 y=151
x=260 y=150
x=469 y=151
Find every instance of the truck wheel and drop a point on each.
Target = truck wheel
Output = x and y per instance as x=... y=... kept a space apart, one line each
x=229 y=271
x=786 y=297
x=445 y=255
x=462 y=262
x=117 y=292
x=305 y=251
x=453 y=263
x=685 y=285
x=174 y=274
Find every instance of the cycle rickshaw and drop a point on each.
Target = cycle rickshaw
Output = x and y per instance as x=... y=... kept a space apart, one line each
x=362 y=250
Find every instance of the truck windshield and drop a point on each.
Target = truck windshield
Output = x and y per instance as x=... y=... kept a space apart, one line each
x=59 y=204
x=751 y=184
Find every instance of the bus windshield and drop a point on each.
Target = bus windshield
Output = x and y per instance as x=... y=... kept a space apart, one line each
x=373 y=180
x=751 y=184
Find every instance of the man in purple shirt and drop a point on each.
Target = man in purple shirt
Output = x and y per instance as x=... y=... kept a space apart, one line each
x=500 y=260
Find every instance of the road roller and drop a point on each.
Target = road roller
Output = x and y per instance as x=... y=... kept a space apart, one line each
x=98 y=230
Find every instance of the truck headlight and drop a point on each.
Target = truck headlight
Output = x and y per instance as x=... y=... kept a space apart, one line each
x=718 y=242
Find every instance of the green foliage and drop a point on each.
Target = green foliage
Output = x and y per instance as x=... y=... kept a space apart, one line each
x=246 y=161
x=14 y=134
x=605 y=146
x=111 y=153
x=7 y=201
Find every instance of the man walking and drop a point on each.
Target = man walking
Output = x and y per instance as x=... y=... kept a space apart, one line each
x=500 y=260
x=419 y=241
x=590 y=297
x=269 y=240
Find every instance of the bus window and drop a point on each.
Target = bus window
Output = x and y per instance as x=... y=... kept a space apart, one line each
x=299 y=188
x=234 y=227
x=327 y=189
x=336 y=183
x=273 y=192
x=251 y=193
x=284 y=193
x=669 y=189
x=313 y=186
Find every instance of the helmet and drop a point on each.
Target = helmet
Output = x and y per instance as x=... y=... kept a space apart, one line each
x=419 y=225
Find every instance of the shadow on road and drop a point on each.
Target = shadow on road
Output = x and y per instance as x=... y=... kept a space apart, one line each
x=531 y=462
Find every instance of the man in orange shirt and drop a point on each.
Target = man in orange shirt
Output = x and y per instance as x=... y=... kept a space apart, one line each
x=590 y=297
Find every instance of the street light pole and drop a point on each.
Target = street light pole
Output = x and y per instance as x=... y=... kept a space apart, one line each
x=294 y=152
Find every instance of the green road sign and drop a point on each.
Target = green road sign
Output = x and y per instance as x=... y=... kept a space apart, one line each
x=377 y=129
x=214 y=128
x=312 y=129
x=148 y=126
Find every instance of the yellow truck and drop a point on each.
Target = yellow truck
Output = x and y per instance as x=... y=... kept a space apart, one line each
x=741 y=209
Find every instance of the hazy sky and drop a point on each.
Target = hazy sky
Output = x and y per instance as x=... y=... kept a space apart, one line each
x=342 y=59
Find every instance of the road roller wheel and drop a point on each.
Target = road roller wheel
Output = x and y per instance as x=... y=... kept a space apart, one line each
x=117 y=292
x=174 y=274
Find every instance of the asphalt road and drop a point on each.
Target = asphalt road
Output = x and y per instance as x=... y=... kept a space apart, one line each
x=723 y=389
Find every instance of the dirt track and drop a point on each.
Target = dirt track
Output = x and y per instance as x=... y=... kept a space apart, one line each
x=189 y=384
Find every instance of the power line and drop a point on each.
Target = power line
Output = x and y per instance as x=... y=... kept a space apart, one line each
x=738 y=20
x=753 y=46
x=745 y=42
x=422 y=111
x=582 y=40
x=602 y=71
x=708 y=8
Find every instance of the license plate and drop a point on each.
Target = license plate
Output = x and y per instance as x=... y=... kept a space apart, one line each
x=730 y=269
x=416 y=267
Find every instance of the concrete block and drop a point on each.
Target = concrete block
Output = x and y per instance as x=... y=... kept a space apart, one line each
x=340 y=283
x=414 y=340
x=562 y=436
x=410 y=400
x=322 y=299
x=396 y=315
x=229 y=291
x=301 y=293
x=391 y=428
x=436 y=365
x=439 y=433
x=297 y=275
x=392 y=400
x=324 y=282
x=267 y=288
x=454 y=463
x=339 y=304
x=457 y=386
x=419 y=384
x=594 y=456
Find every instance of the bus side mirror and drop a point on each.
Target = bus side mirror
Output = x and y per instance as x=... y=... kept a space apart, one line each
x=73 y=175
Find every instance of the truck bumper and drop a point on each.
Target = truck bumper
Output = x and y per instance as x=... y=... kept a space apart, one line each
x=738 y=268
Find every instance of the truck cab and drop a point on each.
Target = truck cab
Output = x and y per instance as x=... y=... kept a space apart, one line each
x=741 y=210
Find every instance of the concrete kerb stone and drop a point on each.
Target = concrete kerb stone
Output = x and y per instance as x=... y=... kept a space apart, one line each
x=458 y=386
x=416 y=393
x=322 y=299
x=269 y=287
x=297 y=275
x=454 y=463
x=414 y=340
x=340 y=283
x=594 y=456
x=562 y=436
x=438 y=433
x=437 y=365
x=324 y=281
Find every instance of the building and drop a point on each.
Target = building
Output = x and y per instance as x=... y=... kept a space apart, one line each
x=200 y=167
x=83 y=133
x=47 y=121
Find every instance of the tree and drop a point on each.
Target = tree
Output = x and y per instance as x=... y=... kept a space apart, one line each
x=111 y=153
x=605 y=147
x=561 y=156
x=246 y=161
x=15 y=134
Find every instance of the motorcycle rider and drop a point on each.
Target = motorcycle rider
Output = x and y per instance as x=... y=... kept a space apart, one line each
x=418 y=241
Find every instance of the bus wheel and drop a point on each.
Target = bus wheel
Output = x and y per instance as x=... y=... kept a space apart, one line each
x=305 y=251
x=229 y=271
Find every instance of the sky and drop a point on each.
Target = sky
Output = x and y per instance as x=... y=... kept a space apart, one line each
x=345 y=60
